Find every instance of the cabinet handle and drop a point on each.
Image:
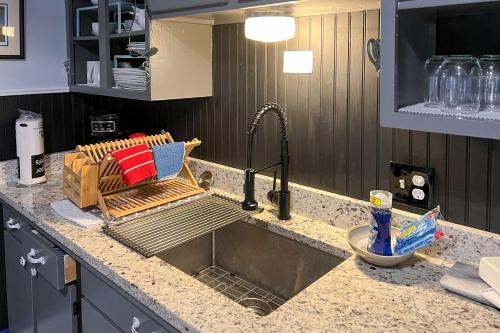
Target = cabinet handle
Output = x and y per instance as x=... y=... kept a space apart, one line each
x=135 y=325
x=32 y=260
x=22 y=261
x=12 y=224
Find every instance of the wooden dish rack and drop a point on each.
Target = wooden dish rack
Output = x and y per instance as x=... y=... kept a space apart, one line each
x=92 y=178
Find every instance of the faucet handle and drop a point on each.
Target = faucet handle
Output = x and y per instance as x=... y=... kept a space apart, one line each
x=273 y=195
x=274 y=180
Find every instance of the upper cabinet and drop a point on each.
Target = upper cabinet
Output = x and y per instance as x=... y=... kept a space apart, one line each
x=144 y=49
x=171 y=8
x=414 y=30
x=115 y=49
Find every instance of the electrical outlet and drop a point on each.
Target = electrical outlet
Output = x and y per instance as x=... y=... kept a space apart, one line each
x=412 y=185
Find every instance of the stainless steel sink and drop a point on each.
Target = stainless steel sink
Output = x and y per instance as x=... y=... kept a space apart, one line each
x=251 y=265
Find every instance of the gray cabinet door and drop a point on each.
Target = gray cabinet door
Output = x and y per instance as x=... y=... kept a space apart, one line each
x=115 y=306
x=54 y=309
x=177 y=5
x=93 y=321
x=20 y=306
x=3 y=294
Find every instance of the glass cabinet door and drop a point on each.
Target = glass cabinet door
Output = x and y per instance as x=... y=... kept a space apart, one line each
x=85 y=65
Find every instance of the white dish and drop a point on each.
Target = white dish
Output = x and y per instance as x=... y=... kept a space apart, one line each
x=129 y=74
x=491 y=296
x=358 y=240
x=132 y=82
x=463 y=279
x=128 y=83
x=124 y=64
x=134 y=79
x=123 y=71
x=129 y=70
x=130 y=88
x=138 y=75
x=95 y=28
x=489 y=271
x=129 y=77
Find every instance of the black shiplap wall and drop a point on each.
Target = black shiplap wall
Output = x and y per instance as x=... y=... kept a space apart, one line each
x=66 y=117
x=336 y=142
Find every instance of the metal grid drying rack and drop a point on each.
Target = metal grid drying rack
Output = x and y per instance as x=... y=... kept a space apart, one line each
x=235 y=288
x=164 y=230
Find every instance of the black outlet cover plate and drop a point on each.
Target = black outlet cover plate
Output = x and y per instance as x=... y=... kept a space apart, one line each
x=403 y=173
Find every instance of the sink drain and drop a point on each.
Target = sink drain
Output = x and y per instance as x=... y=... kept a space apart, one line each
x=258 y=306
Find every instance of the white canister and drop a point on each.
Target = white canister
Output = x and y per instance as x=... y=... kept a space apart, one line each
x=30 y=148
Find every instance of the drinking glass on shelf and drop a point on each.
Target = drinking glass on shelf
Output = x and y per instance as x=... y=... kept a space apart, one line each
x=431 y=84
x=460 y=84
x=490 y=80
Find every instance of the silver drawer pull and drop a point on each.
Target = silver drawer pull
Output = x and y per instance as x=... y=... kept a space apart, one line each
x=12 y=224
x=22 y=261
x=135 y=325
x=32 y=260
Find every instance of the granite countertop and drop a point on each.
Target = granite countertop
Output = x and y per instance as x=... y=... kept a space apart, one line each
x=355 y=296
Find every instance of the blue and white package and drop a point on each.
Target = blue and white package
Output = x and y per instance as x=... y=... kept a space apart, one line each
x=419 y=233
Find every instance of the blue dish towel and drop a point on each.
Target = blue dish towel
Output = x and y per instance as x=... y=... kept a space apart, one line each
x=168 y=159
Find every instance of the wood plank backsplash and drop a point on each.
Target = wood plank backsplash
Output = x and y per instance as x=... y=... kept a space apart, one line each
x=336 y=142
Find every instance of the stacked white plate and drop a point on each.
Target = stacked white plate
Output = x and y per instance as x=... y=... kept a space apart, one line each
x=130 y=78
x=137 y=47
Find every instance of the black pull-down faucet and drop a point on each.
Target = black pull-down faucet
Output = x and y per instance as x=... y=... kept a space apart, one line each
x=281 y=197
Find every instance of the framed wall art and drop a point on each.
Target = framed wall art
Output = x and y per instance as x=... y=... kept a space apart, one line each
x=11 y=29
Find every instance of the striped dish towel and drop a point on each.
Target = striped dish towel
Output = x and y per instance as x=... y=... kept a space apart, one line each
x=136 y=163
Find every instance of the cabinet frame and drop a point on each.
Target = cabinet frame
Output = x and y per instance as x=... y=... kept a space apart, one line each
x=181 y=69
x=104 y=42
x=173 y=8
x=389 y=115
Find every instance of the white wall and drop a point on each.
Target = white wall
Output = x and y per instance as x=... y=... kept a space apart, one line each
x=42 y=70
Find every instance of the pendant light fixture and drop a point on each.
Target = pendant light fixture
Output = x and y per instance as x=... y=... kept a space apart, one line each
x=270 y=26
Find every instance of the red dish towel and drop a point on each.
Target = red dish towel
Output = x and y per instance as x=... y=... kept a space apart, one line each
x=136 y=163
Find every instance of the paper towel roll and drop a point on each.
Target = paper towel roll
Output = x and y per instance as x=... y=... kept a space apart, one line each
x=30 y=148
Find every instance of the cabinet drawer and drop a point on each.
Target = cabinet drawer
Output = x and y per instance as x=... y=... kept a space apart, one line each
x=116 y=307
x=48 y=260
x=14 y=222
x=94 y=322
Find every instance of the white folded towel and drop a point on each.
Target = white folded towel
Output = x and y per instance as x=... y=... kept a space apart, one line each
x=463 y=279
x=66 y=209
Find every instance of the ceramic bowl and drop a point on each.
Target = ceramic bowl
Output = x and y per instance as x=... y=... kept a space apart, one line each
x=358 y=239
x=95 y=28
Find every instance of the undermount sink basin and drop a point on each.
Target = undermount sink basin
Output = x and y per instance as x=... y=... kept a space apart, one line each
x=253 y=266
